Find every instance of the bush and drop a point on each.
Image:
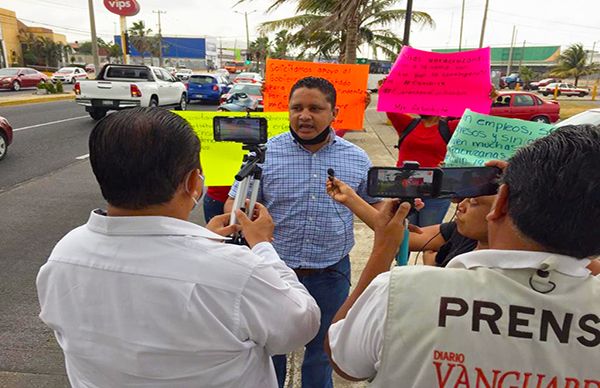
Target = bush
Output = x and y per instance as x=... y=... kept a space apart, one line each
x=49 y=86
x=59 y=87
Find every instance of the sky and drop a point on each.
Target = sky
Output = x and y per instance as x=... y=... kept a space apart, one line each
x=538 y=22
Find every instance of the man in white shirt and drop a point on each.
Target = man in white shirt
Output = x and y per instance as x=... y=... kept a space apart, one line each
x=141 y=297
x=523 y=313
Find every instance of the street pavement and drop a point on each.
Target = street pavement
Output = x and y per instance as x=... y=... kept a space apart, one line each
x=46 y=189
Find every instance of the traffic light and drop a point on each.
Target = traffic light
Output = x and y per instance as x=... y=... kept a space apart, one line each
x=248 y=59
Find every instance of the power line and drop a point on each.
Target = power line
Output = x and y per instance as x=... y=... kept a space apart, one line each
x=47 y=3
x=63 y=28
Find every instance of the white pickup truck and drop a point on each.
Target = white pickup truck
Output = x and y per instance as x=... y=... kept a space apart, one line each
x=128 y=86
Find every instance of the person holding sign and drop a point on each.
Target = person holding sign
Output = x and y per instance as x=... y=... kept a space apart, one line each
x=313 y=234
x=524 y=311
x=423 y=139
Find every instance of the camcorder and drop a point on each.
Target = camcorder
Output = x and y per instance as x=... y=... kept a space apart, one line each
x=246 y=130
x=410 y=182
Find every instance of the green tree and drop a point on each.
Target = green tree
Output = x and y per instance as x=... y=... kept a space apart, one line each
x=341 y=26
x=526 y=75
x=573 y=63
x=260 y=50
x=281 y=44
x=114 y=51
x=140 y=38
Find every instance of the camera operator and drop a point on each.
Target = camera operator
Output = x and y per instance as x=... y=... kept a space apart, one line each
x=313 y=234
x=141 y=297
x=523 y=311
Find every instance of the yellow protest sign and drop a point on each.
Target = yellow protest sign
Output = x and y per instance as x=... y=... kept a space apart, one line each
x=222 y=160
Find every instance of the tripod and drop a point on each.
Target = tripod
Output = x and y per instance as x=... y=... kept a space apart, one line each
x=249 y=176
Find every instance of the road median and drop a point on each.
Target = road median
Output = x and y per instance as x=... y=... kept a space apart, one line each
x=35 y=99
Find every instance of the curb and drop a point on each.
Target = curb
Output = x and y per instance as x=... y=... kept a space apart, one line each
x=36 y=100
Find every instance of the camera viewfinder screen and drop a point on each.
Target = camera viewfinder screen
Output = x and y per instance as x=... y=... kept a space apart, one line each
x=242 y=129
x=404 y=183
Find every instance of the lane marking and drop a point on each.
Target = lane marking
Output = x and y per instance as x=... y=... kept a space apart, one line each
x=50 y=123
x=83 y=157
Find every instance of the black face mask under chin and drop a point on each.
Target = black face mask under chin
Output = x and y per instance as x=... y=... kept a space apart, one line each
x=321 y=137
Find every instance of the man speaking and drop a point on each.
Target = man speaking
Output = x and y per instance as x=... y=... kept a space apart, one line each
x=141 y=297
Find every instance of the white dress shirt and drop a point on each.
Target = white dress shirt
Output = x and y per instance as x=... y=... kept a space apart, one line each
x=357 y=342
x=161 y=302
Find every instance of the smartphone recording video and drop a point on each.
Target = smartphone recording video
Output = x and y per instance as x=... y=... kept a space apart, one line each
x=389 y=182
x=468 y=182
x=246 y=130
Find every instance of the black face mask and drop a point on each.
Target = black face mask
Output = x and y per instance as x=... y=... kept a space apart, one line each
x=315 y=140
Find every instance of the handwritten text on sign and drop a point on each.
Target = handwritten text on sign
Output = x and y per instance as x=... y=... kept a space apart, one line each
x=222 y=160
x=437 y=84
x=350 y=82
x=480 y=138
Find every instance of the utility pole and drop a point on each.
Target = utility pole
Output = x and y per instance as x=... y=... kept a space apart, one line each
x=522 y=55
x=510 y=53
x=160 y=50
x=485 y=12
x=407 y=20
x=462 y=19
x=94 y=37
x=592 y=55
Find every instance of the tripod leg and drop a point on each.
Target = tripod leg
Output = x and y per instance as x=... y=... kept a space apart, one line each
x=254 y=194
x=240 y=199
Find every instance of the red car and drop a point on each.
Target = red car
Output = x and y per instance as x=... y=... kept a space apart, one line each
x=525 y=106
x=16 y=78
x=6 y=136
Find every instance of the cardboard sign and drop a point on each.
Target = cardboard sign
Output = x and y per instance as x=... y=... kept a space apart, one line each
x=222 y=160
x=350 y=83
x=437 y=84
x=480 y=138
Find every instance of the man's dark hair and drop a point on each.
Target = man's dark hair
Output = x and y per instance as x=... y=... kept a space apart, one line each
x=140 y=156
x=554 y=191
x=323 y=85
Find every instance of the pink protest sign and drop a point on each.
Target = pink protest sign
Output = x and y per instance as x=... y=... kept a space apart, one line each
x=438 y=84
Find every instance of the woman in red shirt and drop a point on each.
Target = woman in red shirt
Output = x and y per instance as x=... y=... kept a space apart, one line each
x=425 y=144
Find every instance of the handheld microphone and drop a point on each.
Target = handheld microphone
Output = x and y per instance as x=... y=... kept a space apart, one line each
x=331 y=173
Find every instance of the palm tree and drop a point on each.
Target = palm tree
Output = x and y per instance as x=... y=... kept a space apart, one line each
x=573 y=63
x=140 y=39
x=343 y=25
x=281 y=44
x=260 y=50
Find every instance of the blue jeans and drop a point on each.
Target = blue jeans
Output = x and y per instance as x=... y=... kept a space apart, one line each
x=432 y=214
x=212 y=208
x=330 y=289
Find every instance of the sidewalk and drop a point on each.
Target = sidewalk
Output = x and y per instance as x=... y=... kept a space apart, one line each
x=34 y=98
x=378 y=141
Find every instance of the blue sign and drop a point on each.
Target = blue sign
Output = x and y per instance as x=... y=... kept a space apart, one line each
x=175 y=47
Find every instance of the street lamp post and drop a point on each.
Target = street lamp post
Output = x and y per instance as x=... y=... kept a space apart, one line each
x=407 y=20
x=247 y=29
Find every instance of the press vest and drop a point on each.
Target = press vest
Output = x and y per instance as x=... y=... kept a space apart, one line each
x=488 y=328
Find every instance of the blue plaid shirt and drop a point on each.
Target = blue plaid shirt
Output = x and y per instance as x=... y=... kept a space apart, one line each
x=311 y=229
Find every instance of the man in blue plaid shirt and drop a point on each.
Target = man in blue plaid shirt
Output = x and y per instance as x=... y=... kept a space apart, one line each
x=313 y=234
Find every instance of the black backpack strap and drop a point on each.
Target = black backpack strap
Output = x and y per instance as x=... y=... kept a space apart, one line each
x=444 y=130
x=409 y=128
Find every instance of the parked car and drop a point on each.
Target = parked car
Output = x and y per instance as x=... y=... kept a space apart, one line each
x=6 y=136
x=16 y=78
x=248 y=78
x=206 y=87
x=69 y=75
x=120 y=87
x=525 y=106
x=171 y=70
x=252 y=90
x=538 y=84
x=564 y=89
x=183 y=74
x=510 y=81
x=239 y=102
x=591 y=116
x=90 y=68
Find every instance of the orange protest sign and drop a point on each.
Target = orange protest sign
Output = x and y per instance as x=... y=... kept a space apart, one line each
x=350 y=83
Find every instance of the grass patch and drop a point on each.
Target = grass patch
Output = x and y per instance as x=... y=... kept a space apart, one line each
x=571 y=108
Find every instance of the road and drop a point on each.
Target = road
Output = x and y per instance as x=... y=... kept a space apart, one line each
x=46 y=189
x=27 y=91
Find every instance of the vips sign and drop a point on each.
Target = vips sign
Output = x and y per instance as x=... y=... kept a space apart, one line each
x=122 y=7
